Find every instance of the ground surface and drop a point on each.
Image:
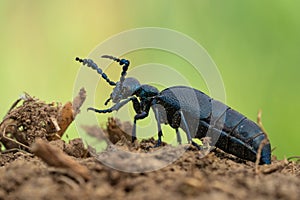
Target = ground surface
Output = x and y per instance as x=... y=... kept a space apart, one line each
x=52 y=171
x=216 y=176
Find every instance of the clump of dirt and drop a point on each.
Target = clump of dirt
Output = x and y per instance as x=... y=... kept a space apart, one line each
x=66 y=170
x=32 y=119
x=37 y=119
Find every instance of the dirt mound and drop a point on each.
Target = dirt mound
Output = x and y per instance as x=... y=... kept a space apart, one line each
x=217 y=176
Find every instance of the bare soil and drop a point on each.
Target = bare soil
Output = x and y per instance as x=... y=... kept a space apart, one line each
x=50 y=168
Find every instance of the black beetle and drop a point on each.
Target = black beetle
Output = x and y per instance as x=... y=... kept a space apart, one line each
x=187 y=108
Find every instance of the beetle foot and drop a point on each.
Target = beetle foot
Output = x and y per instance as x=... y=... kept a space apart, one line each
x=200 y=148
x=134 y=142
x=158 y=144
x=133 y=139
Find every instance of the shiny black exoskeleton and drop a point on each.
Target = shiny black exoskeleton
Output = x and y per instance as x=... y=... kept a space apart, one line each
x=187 y=108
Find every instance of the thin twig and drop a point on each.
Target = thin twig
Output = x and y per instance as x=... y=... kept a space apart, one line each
x=262 y=144
x=13 y=140
x=293 y=157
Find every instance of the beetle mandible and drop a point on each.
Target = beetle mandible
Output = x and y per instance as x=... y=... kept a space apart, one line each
x=197 y=116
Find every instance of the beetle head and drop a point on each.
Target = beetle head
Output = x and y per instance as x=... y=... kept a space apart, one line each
x=124 y=90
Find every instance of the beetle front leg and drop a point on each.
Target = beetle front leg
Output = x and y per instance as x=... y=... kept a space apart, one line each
x=160 y=134
x=116 y=107
x=141 y=115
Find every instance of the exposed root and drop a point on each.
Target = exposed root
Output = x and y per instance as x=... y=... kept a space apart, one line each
x=53 y=156
x=268 y=169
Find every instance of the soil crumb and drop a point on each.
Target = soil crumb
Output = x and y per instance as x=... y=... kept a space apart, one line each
x=190 y=176
x=37 y=119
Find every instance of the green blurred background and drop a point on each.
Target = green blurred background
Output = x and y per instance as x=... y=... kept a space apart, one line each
x=254 y=43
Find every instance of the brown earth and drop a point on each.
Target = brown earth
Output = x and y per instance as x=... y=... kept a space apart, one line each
x=49 y=168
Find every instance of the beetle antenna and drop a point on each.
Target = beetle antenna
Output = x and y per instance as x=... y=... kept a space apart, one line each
x=90 y=63
x=123 y=62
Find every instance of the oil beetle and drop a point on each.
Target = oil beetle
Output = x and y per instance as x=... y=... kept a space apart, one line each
x=187 y=108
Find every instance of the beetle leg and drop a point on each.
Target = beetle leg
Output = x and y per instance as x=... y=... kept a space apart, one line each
x=159 y=138
x=133 y=134
x=160 y=134
x=188 y=133
x=138 y=116
x=136 y=105
x=178 y=136
x=197 y=145
x=107 y=101
x=114 y=107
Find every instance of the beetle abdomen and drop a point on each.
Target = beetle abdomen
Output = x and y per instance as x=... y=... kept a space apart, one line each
x=243 y=144
x=230 y=131
x=242 y=137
